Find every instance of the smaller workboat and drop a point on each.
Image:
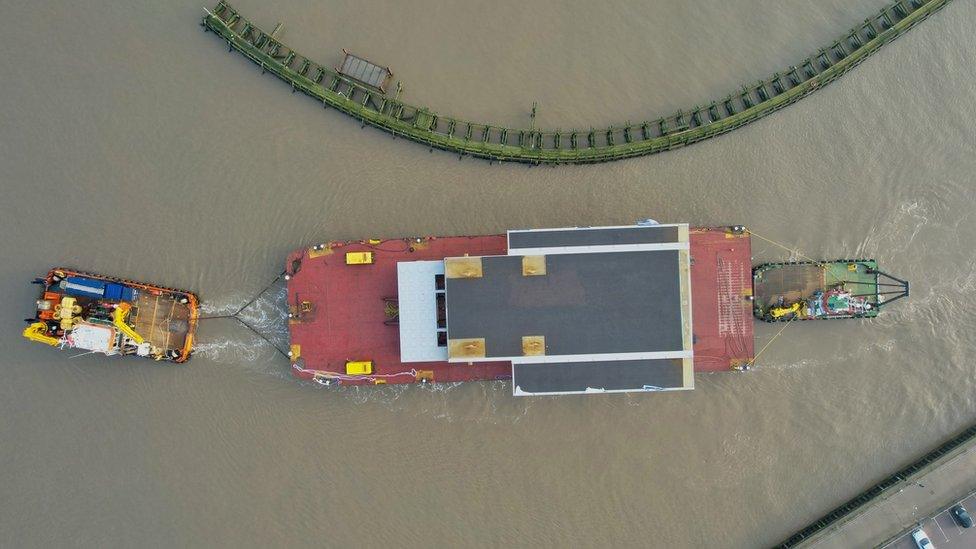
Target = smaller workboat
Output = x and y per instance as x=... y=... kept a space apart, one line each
x=847 y=288
x=112 y=316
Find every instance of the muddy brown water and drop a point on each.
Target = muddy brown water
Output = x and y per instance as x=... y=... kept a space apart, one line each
x=132 y=143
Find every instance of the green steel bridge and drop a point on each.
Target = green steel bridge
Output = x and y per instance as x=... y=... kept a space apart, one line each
x=497 y=143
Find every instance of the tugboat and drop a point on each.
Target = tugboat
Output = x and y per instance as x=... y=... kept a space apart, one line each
x=846 y=288
x=112 y=316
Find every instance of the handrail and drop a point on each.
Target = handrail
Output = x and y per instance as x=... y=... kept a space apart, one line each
x=531 y=145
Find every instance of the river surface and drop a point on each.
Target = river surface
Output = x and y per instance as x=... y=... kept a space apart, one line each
x=132 y=143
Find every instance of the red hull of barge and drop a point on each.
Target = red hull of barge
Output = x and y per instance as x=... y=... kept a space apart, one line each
x=337 y=312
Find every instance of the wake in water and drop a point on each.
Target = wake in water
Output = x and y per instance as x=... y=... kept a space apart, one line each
x=923 y=233
x=928 y=231
x=256 y=336
x=482 y=402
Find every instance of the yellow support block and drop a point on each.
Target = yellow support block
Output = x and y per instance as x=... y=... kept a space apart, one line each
x=463 y=267
x=466 y=348
x=533 y=265
x=533 y=345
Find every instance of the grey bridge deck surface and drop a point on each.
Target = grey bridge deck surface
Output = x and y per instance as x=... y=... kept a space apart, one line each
x=599 y=303
x=613 y=375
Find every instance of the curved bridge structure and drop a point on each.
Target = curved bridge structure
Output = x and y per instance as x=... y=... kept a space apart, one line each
x=530 y=145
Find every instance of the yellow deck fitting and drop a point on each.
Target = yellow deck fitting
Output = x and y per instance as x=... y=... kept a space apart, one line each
x=295 y=353
x=740 y=365
x=319 y=250
x=736 y=231
x=780 y=312
x=359 y=367
x=65 y=312
x=359 y=258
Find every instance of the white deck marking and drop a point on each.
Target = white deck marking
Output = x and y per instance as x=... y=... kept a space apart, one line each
x=729 y=290
x=939 y=526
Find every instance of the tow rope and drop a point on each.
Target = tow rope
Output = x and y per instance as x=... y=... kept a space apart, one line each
x=243 y=322
x=796 y=251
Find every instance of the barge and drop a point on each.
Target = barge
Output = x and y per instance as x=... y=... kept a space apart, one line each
x=113 y=316
x=574 y=310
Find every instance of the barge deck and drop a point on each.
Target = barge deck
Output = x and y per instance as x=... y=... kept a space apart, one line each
x=342 y=313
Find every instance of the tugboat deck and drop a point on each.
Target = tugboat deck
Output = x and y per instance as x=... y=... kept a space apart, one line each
x=163 y=322
x=800 y=280
x=782 y=287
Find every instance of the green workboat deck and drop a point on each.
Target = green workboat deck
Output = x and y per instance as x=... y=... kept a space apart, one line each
x=845 y=288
